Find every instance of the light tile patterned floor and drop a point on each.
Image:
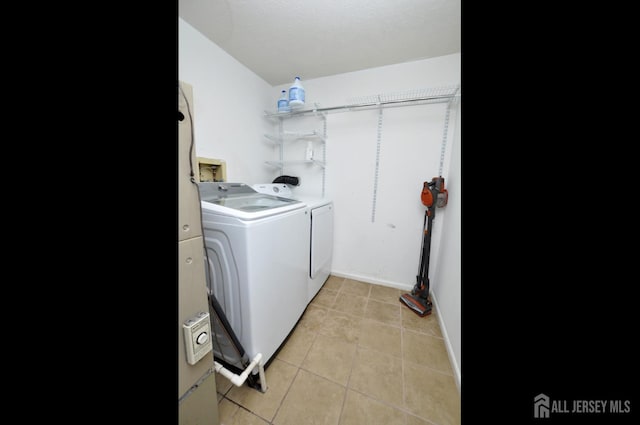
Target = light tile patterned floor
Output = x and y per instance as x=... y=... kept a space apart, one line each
x=356 y=357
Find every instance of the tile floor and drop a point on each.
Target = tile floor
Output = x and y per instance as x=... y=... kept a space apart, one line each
x=357 y=356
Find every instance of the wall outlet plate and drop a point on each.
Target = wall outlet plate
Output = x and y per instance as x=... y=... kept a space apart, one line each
x=197 y=337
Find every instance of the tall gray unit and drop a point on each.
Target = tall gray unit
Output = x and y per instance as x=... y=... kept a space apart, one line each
x=197 y=400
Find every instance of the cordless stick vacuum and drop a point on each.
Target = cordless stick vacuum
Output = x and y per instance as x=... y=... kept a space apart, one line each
x=433 y=195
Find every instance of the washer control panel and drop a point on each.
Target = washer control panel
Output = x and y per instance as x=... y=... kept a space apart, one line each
x=276 y=189
x=197 y=337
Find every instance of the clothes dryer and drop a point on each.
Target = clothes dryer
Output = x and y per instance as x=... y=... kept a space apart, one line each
x=320 y=232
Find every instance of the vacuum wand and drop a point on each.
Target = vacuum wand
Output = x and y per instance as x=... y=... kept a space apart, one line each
x=433 y=195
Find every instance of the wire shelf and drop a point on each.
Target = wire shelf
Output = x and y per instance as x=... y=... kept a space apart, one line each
x=295 y=162
x=387 y=100
x=430 y=95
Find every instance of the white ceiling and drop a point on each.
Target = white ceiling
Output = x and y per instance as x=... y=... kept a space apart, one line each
x=281 y=39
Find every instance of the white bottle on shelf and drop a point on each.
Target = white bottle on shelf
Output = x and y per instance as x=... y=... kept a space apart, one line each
x=283 y=103
x=296 y=94
x=309 y=154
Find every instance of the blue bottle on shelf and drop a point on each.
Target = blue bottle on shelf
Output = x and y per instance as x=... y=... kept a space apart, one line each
x=296 y=94
x=283 y=103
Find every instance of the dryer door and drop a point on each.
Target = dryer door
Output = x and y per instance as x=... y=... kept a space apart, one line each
x=321 y=240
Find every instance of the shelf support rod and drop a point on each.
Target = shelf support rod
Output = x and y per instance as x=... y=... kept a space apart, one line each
x=375 y=176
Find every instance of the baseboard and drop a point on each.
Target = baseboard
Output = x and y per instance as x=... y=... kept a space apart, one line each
x=447 y=343
x=367 y=279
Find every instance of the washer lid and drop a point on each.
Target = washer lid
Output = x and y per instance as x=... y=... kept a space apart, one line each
x=313 y=202
x=240 y=200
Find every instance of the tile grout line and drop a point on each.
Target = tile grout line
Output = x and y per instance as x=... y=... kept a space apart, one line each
x=425 y=364
x=232 y=402
x=319 y=377
x=353 y=360
x=306 y=354
x=358 y=347
x=389 y=404
x=298 y=367
x=275 y=415
x=400 y=326
x=404 y=401
x=432 y=369
x=404 y=391
x=441 y=372
x=346 y=387
x=384 y=402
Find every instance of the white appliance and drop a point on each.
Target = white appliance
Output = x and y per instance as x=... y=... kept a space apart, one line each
x=256 y=248
x=320 y=233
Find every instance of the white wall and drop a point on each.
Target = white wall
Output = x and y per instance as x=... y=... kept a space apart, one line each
x=229 y=108
x=387 y=251
x=230 y=101
x=447 y=280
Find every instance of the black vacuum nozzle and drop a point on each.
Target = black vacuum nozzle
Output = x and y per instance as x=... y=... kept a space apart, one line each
x=418 y=305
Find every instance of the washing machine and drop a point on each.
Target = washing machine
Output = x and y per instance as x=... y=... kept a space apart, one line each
x=256 y=252
x=320 y=231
